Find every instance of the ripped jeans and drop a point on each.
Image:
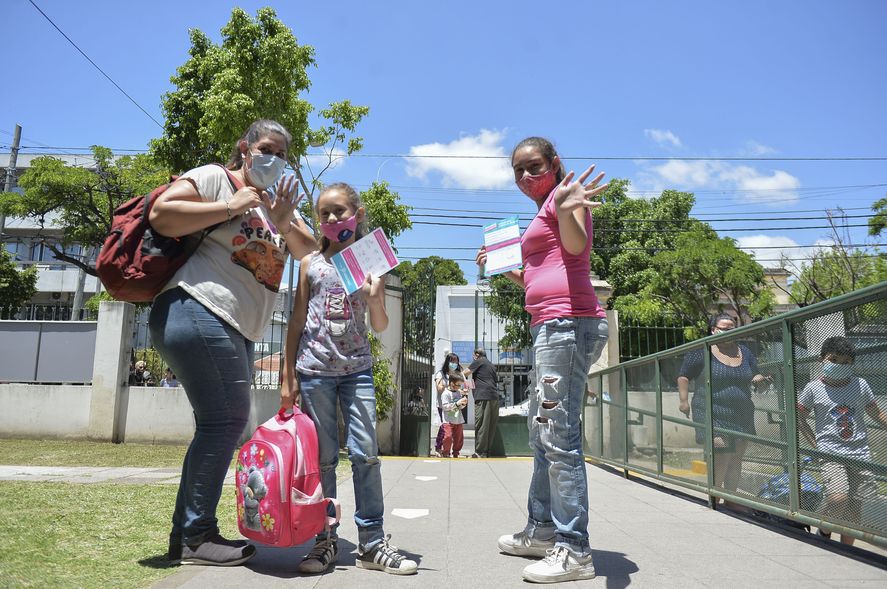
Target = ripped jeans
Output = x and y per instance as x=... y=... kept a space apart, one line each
x=565 y=348
x=357 y=398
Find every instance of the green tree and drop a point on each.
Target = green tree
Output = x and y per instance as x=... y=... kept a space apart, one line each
x=506 y=301
x=420 y=282
x=16 y=286
x=80 y=201
x=836 y=271
x=702 y=274
x=878 y=222
x=384 y=210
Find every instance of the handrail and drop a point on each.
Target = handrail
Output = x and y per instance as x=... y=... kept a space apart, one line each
x=778 y=441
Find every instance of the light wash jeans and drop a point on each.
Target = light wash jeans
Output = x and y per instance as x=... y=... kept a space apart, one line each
x=213 y=361
x=565 y=348
x=357 y=398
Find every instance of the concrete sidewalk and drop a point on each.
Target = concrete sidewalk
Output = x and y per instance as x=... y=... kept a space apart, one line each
x=447 y=514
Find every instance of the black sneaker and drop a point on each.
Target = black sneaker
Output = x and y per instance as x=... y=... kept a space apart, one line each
x=385 y=557
x=217 y=551
x=174 y=552
x=324 y=554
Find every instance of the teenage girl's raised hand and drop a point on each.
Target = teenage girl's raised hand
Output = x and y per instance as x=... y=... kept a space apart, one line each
x=481 y=258
x=573 y=195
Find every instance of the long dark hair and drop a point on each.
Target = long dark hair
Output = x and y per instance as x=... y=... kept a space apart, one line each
x=546 y=148
x=257 y=130
x=452 y=356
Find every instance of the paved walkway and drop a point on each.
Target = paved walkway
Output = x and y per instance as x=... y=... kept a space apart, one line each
x=448 y=514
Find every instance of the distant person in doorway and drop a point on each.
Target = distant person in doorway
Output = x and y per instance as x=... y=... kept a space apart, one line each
x=441 y=381
x=486 y=403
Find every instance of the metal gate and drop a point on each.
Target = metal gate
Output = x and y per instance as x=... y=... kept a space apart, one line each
x=417 y=366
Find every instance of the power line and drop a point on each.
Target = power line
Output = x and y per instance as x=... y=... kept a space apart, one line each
x=644 y=249
x=589 y=158
x=131 y=99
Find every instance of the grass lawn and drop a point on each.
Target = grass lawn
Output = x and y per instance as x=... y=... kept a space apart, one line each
x=93 y=535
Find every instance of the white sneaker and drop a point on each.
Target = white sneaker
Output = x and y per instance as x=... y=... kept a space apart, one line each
x=560 y=565
x=385 y=557
x=521 y=544
x=323 y=555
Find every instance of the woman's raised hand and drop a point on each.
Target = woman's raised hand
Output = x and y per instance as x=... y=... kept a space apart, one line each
x=286 y=199
x=572 y=195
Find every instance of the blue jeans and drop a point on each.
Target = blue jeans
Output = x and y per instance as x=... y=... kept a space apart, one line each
x=357 y=398
x=565 y=348
x=213 y=361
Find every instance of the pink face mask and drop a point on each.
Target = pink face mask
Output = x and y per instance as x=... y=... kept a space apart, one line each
x=341 y=230
x=539 y=186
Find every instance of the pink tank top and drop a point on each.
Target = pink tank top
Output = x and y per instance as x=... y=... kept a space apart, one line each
x=558 y=284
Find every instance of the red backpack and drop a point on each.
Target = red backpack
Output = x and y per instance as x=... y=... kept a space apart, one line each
x=135 y=262
x=280 y=499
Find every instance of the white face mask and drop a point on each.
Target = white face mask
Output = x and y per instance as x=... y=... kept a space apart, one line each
x=265 y=170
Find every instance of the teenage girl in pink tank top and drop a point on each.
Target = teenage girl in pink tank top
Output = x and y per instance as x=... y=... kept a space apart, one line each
x=569 y=330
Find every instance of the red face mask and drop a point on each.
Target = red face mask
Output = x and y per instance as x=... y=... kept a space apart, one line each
x=539 y=186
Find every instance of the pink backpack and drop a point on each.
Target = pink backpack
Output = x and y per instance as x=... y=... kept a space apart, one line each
x=280 y=501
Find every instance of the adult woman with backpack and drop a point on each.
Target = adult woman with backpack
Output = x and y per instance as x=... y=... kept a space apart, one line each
x=207 y=317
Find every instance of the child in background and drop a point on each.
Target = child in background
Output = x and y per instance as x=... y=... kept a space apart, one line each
x=839 y=401
x=453 y=400
x=326 y=343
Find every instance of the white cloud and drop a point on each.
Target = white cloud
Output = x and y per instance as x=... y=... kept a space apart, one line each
x=753 y=148
x=663 y=137
x=318 y=161
x=490 y=170
x=749 y=184
x=768 y=250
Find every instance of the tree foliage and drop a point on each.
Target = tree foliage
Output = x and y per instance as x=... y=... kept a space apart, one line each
x=878 y=222
x=506 y=301
x=702 y=273
x=836 y=271
x=384 y=210
x=420 y=282
x=79 y=201
x=258 y=70
x=16 y=286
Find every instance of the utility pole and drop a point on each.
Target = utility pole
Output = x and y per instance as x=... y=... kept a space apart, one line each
x=10 y=172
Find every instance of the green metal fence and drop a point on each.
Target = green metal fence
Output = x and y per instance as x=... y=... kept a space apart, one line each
x=745 y=443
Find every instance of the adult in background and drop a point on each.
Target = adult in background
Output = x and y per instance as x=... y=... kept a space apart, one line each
x=486 y=403
x=206 y=319
x=441 y=381
x=734 y=372
x=569 y=330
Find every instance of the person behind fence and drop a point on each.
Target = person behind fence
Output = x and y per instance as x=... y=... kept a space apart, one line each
x=734 y=372
x=169 y=379
x=486 y=403
x=441 y=379
x=416 y=403
x=328 y=363
x=453 y=400
x=206 y=319
x=569 y=330
x=140 y=376
x=839 y=401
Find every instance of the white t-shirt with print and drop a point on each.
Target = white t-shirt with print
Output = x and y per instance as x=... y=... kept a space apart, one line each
x=840 y=416
x=236 y=271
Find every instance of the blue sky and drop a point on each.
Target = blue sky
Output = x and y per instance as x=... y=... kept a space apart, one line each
x=602 y=79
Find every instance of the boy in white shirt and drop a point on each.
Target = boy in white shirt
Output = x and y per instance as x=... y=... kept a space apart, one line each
x=453 y=399
x=839 y=401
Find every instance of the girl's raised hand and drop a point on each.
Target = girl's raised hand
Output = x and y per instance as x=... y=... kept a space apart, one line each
x=573 y=195
x=373 y=288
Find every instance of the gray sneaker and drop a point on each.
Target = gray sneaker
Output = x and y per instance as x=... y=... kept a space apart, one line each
x=218 y=551
x=560 y=565
x=385 y=557
x=521 y=544
x=322 y=556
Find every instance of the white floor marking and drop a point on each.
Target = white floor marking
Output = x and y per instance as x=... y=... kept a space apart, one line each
x=409 y=513
x=425 y=479
x=431 y=461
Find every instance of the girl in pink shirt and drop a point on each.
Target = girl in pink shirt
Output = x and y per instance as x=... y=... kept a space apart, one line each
x=569 y=330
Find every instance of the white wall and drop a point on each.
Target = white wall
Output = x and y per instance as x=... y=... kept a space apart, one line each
x=41 y=411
